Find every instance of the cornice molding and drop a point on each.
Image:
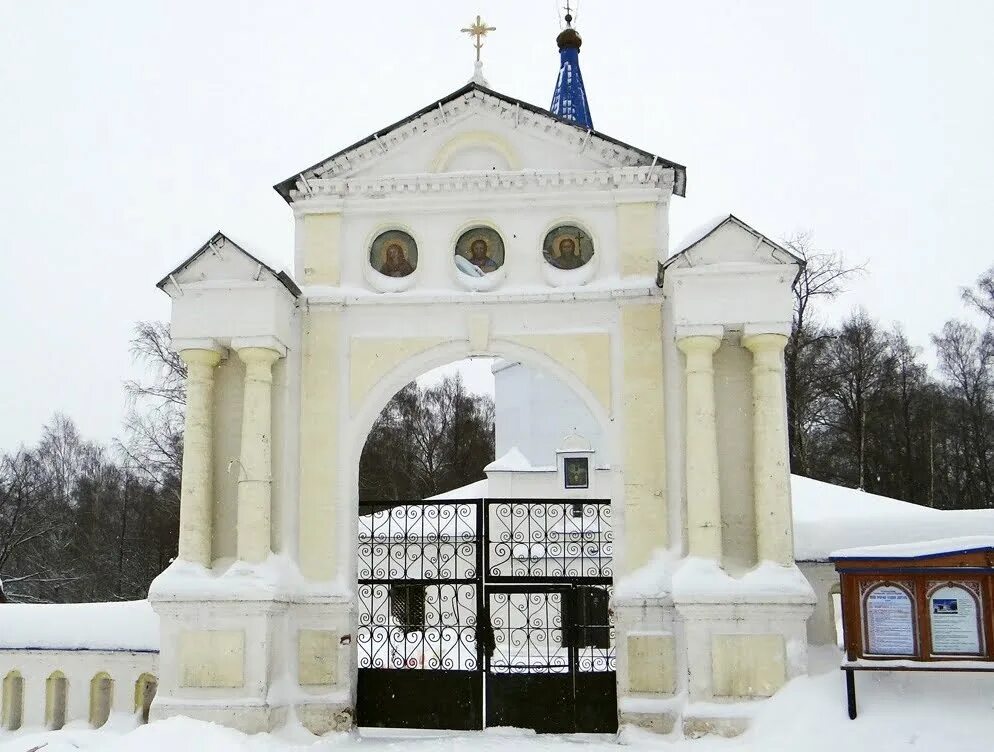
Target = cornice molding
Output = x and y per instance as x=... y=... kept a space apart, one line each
x=635 y=289
x=646 y=181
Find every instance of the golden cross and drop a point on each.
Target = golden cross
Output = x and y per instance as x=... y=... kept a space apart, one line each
x=478 y=30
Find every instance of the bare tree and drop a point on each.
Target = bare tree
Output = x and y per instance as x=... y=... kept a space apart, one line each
x=822 y=277
x=153 y=426
x=981 y=297
x=859 y=358
x=965 y=358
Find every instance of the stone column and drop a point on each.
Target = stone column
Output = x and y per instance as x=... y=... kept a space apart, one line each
x=196 y=497
x=771 y=465
x=703 y=494
x=255 y=473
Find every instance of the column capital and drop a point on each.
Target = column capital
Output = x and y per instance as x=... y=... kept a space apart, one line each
x=764 y=342
x=767 y=327
x=260 y=355
x=195 y=356
x=699 y=330
x=706 y=344
x=261 y=343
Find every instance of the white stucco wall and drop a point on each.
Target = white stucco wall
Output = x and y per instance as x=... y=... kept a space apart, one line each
x=535 y=412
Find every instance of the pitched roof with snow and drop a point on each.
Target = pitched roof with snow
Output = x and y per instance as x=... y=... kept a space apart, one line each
x=218 y=241
x=351 y=157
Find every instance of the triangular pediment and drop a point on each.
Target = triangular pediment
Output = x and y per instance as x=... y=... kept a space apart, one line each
x=728 y=240
x=477 y=129
x=220 y=259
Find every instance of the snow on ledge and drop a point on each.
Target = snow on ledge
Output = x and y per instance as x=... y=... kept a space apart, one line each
x=918 y=549
x=699 y=580
x=124 y=626
x=651 y=580
x=276 y=578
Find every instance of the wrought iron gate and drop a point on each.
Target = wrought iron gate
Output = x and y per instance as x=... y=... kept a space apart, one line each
x=496 y=604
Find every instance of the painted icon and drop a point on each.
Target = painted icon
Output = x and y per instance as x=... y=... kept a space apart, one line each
x=567 y=247
x=479 y=251
x=394 y=254
x=577 y=472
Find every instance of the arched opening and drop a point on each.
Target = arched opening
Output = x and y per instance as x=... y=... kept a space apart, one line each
x=144 y=694
x=101 y=697
x=483 y=525
x=56 y=691
x=13 y=701
x=835 y=613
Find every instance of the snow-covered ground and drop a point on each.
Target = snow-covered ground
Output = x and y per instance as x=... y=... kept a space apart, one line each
x=897 y=711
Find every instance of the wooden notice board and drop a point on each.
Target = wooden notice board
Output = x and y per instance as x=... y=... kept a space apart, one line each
x=899 y=603
x=921 y=607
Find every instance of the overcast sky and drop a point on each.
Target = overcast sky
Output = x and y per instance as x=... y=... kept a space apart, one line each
x=131 y=131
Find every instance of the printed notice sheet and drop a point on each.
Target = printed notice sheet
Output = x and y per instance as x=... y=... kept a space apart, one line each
x=955 y=628
x=889 y=622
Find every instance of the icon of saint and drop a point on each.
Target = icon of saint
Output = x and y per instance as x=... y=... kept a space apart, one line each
x=395 y=263
x=479 y=256
x=568 y=253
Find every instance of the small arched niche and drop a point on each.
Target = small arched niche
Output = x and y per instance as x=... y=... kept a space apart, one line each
x=145 y=689
x=56 y=691
x=13 y=701
x=101 y=695
x=478 y=151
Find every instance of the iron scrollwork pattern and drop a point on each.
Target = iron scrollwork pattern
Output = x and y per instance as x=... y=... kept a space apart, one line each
x=595 y=649
x=419 y=542
x=529 y=634
x=418 y=587
x=549 y=540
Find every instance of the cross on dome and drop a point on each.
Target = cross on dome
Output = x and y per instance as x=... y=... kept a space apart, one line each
x=478 y=31
x=569 y=99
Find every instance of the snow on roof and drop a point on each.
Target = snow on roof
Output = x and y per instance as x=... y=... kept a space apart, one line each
x=510 y=462
x=475 y=490
x=829 y=518
x=919 y=549
x=130 y=625
x=701 y=231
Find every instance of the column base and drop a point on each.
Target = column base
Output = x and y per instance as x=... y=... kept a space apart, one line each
x=323 y=718
x=248 y=718
x=694 y=727
x=744 y=637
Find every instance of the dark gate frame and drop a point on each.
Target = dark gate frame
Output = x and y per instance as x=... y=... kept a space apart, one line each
x=475 y=549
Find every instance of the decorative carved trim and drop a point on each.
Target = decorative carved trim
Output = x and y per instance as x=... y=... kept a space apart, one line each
x=461 y=182
x=309 y=182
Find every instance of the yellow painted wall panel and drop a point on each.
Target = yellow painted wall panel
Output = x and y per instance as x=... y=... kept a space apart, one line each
x=317 y=657
x=322 y=249
x=372 y=358
x=752 y=665
x=646 y=518
x=651 y=660
x=319 y=416
x=212 y=658
x=637 y=238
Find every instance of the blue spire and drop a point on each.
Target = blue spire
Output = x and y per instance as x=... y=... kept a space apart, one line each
x=569 y=100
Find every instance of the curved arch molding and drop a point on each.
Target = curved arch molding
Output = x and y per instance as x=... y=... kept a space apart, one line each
x=471 y=140
x=585 y=356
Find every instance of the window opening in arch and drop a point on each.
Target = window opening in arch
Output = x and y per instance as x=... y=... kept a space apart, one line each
x=56 y=690
x=13 y=701
x=145 y=689
x=101 y=695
